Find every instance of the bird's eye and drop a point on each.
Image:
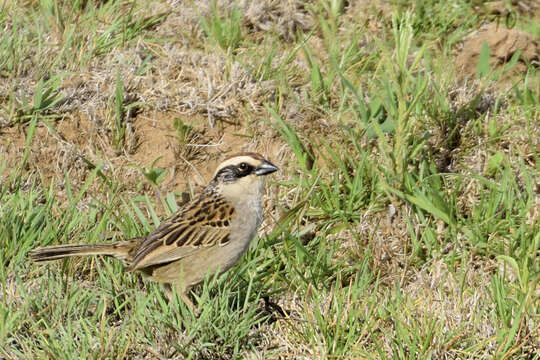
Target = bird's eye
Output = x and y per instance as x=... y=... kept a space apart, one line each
x=244 y=169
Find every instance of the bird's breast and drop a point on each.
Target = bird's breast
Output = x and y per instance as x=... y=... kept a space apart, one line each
x=243 y=229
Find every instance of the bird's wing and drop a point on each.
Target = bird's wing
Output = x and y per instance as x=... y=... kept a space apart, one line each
x=204 y=222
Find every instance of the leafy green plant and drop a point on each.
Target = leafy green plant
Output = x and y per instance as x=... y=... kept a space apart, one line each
x=435 y=20
x=395 y=104
x=320 y=84
x=123 y=29
x=224 y=31
x=527 y=95
x=125 y=108
x=512 y=307
x=46 y=97
x=335 y=324
x=402 y=88
x=188 y=137
x=335 y=7
x=483 y=68
x=154 y=175
x=303 y=154
x=184 y=132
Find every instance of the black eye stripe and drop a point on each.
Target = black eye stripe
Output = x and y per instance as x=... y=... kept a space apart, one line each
x=233 y=172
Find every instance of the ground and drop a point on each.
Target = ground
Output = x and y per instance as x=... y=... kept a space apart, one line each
x=404 y=220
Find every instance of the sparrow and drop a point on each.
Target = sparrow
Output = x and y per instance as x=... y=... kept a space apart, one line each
x=205 y=236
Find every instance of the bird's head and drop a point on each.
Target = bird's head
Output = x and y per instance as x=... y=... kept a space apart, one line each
x=242 y=175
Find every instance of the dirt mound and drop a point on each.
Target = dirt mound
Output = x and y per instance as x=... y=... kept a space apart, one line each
x=509 y=8
x=503 y=44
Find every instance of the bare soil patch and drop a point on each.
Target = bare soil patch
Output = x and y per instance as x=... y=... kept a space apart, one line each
x=503 y=44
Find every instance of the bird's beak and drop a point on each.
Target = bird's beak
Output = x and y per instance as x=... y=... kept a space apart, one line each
x=266 y=168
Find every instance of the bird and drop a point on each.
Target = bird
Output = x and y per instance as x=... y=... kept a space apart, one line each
x=207 y=235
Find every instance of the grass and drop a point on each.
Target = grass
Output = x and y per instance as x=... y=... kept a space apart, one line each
x=403 y=224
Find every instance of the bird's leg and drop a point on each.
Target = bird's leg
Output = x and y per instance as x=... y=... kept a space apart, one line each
x=188 y=302
x=169 y=292
x=182 y=291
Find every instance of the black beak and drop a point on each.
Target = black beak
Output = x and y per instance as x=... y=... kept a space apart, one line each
x=266 y=168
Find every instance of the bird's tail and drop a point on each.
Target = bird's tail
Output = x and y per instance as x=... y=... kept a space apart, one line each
x=120 y=250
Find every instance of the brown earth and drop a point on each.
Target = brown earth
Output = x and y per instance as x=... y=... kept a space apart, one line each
x=503 y=44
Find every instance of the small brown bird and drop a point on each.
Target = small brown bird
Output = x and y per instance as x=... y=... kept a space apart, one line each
x=206 y=236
